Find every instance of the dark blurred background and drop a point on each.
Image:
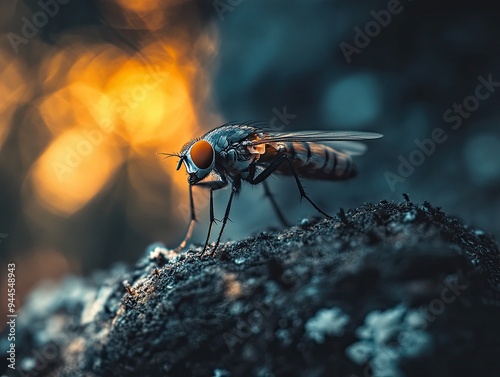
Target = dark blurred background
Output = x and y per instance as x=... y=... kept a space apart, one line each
x=93 y=89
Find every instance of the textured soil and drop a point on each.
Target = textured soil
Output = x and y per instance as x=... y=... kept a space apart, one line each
x=388 y=289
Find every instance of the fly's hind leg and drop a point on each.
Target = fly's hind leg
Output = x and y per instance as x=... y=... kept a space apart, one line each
x=274 y=204
x=272 y=167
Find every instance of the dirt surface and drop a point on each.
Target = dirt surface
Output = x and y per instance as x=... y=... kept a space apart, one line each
x=392 y=289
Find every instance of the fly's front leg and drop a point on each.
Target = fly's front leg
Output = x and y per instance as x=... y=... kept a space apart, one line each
x=212 y=185
x=189 y=231
x=272 y=167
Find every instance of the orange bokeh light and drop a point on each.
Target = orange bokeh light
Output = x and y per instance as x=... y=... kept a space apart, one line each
x=85 y=109
x=145 y=5
x=100 y=100
x=131 y=106
x=73 y=169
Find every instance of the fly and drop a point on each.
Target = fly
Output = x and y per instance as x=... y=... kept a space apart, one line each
x=236 y=152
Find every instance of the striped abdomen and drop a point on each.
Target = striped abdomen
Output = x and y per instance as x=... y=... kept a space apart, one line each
x=312 y=160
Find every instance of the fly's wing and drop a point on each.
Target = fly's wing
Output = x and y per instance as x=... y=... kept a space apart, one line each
x=352 y=148
x=345 y=141
x=315 y=136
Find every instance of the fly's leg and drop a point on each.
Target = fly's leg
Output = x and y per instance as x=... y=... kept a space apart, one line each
x=212 y=220
x=212 y=185
x=272 y=167
x=278 y=212
x=234 y=190
x=189 y=231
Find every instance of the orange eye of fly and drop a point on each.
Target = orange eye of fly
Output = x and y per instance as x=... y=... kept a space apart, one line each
x=202 y=154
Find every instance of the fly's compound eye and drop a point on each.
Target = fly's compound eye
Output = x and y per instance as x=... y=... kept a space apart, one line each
x=202 y=154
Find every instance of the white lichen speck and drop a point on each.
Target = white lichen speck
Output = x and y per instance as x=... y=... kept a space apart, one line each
x=387 y=336
x=329 y=322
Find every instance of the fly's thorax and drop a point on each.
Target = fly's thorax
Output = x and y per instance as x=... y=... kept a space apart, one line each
x=232 y=144
x=236 y=158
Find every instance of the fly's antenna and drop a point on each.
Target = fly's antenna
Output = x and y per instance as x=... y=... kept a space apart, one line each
x=169 y=154
x=181 y=158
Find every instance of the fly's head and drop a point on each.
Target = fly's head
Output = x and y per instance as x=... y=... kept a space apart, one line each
x=198 y=156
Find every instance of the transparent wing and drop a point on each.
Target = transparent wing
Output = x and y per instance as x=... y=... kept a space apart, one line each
x=321 y=136
x=352 y=148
